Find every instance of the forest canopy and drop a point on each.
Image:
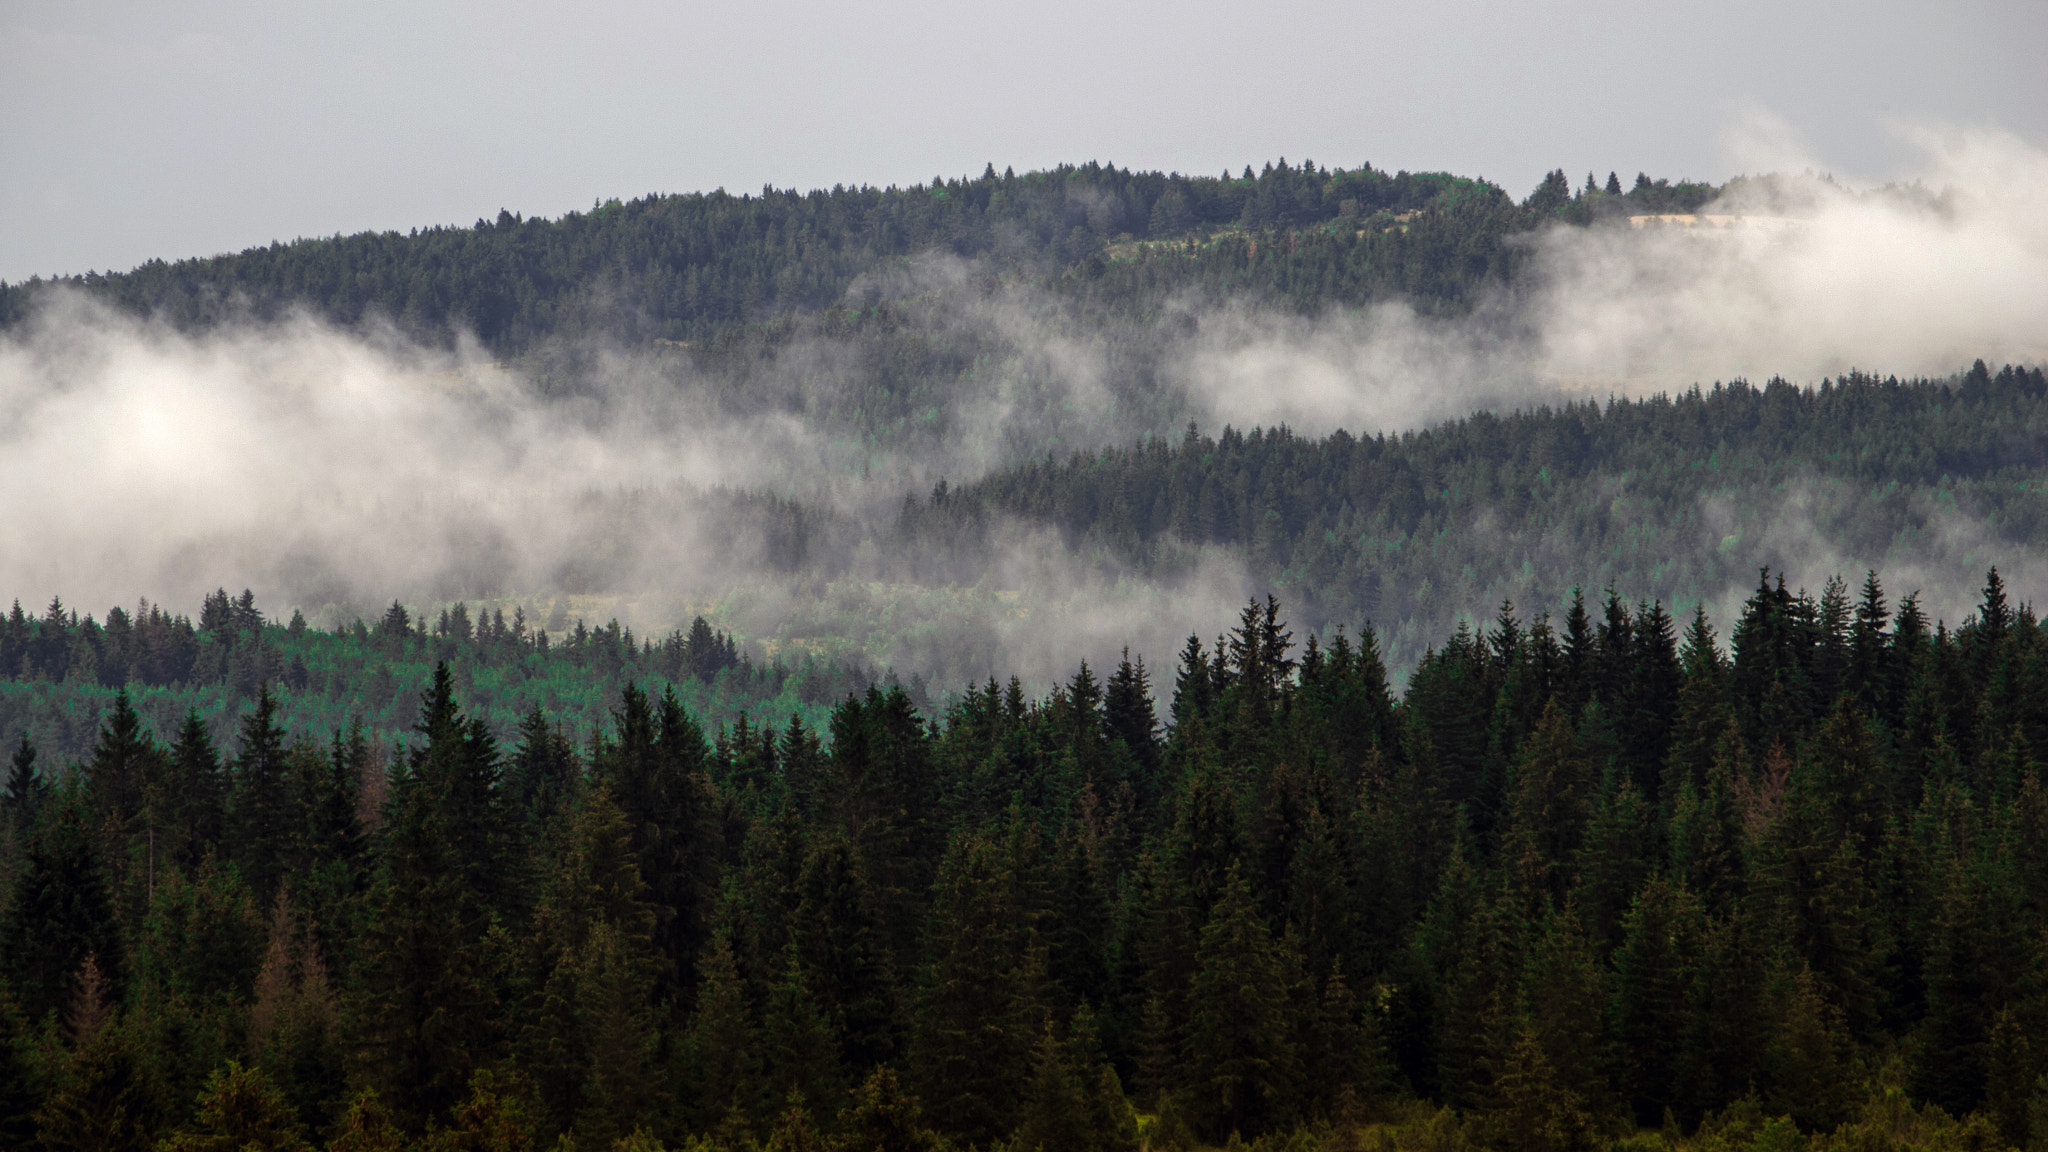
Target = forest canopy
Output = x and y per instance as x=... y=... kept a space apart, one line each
x=690 y=267
x=1597 y=877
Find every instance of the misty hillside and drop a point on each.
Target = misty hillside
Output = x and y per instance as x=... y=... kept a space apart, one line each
x=1676 y=498
x=1675 y=501
x=688 y=267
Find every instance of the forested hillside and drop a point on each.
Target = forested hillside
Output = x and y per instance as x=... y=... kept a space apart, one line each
x=63 y=673
x=1667 y=497
x=688 y=267
x=1602 y=880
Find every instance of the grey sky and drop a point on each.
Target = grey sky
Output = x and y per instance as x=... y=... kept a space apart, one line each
x=177 y=128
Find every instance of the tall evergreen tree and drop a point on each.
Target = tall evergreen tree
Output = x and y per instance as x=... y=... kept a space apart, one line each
x=59 y=915
x=25 y=788
x=1241 y=1059
x=420 y=1012
x=260 y=807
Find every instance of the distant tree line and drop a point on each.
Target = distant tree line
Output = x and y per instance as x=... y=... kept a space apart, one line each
x=1661 y=496
x=60 y=673
x=687 y=267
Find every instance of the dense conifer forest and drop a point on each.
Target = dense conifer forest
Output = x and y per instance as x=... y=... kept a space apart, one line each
x=1669 y=497
x=690 y=267
x=1605 y=879
x=65 y=672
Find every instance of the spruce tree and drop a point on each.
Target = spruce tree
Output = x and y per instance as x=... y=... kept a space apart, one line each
x=1653 y=994
x=721 y=1047
x=885 y=1118
x=846 y=961
x=419 y=1009
x=194 y=793
x=798 y=1055
x=974 y=1016
x=260 y=806
x=240 y=1109
x=1240 y=1041
x=594 y=970
x=25 y=789
x=19 y=1092
x=60 y=913
x=105 y=1100
x=124 y=763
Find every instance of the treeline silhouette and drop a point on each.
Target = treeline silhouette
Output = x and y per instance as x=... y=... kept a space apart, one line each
x=688 y=267
x=1589 y=880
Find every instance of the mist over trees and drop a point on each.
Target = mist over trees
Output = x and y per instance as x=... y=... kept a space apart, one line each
x=1670 y=497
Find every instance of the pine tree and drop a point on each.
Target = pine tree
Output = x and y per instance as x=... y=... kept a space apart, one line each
x=974 y=1014
x=25 y=788
x=60 y=913
x=1653 y=990
x=1240 y=1048
x=798 y=1055
x=259 y=812
x=419 y=1010
x=721 y=1047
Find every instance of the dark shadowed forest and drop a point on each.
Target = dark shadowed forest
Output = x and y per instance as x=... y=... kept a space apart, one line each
x=1607 y=877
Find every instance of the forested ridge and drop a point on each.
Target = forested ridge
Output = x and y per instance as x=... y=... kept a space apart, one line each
x=1605 y=879
x=1667 y=496
x=689 y=267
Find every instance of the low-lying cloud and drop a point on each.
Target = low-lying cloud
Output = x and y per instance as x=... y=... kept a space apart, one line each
x=334 y=470
x=1794 y=276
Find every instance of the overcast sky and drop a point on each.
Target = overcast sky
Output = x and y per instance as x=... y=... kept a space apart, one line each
x=174 y=128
